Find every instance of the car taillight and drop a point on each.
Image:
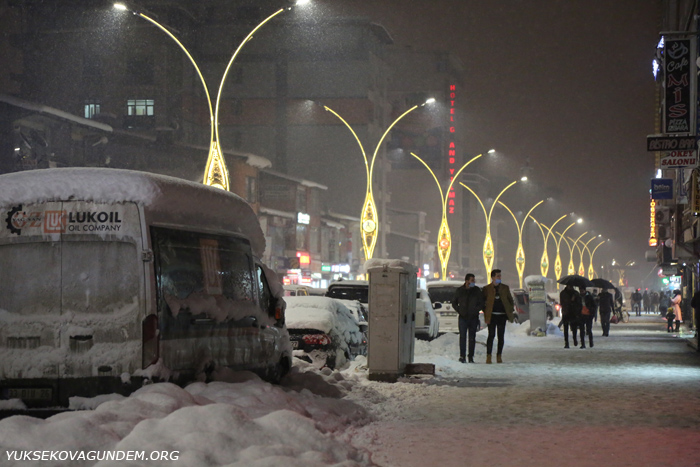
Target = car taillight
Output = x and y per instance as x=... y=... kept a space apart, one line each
x=557 y=307
x=151 y=341
x=279 y=313
x=316 y=339
x=427 y=317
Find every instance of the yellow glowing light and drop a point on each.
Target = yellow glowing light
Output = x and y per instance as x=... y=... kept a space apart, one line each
x=544 y=260
x=215 y=171
x=369 y=216
x=557 y=262
x=572 y=268
x=488 y=251
x=444 y=242
x=591 y=271
x=520 y=252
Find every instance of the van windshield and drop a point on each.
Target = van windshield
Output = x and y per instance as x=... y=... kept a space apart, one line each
x=358 y=293
x=442 y=294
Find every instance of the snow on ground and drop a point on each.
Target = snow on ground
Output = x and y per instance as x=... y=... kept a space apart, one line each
x=633 y=399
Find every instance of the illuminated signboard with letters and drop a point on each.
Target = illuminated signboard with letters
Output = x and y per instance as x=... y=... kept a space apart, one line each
x=451 y=149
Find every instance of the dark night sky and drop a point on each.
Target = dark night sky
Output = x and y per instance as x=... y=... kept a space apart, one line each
x=566 y=83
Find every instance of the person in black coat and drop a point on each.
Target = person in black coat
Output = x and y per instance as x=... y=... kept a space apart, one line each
x=468 y=302
x=571 y=305
x=605 y=306
x=588 y=315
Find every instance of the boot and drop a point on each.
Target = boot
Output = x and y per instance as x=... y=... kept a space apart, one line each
x=583 y=345
x=678 y=325
x=462 y=360
x=471 y=359
x=488 y=358
x=590 y=341
x=498 y=358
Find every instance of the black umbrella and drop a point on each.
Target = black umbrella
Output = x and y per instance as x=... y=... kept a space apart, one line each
x=603 y=283
x=576 y=281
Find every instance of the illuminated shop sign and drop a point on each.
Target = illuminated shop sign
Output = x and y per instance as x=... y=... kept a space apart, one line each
x=451 y=148
x=653 y=240
x=303 y=218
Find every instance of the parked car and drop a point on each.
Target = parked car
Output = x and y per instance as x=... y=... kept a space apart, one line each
x=521 y=299
x=323 y=331
x=553 y=307
x=441 y=294
x=350 y=290
x=427 y=323
x=359 y=312
x=296 y=290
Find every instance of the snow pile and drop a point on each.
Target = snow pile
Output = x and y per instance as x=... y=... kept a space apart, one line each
x=248 y=423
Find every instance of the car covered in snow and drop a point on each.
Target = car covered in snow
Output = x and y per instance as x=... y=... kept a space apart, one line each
x=323 y=331
x=427 y=323
x=296 y=291
x=350 y=290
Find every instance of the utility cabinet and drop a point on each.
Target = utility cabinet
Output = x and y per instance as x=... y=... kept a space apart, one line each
x=538 y=303
x=392 y=317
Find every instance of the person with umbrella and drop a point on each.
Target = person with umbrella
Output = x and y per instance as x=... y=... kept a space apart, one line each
x=606 y=304
x=571 y=305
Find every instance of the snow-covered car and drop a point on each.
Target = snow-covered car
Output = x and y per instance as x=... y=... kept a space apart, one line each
x=521 y=299
x=359 y=312
x=350 y=290
x=323 y=331
x=427 y=324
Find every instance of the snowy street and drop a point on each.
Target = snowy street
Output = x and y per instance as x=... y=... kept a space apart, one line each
x=631 y=400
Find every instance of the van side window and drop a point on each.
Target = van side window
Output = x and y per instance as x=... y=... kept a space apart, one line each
x=266 y=302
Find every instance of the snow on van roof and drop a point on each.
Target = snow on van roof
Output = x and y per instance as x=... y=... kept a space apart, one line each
x=171 y=200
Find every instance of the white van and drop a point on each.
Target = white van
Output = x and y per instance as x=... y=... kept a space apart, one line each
x=113 y=278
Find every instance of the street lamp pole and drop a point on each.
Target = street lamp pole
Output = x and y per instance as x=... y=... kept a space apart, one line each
x=444 y=241
x=488 y=251
x=557 y=261
x=544 y=261
x=215 y=171
x=520 y=252
x=591 y=271
x=369 y=220
x=581 y=267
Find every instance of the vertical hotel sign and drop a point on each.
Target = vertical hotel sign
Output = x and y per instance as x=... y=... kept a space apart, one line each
x=451 y=149
x=677 y=86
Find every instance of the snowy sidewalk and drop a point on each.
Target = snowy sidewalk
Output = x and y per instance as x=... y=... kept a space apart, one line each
x=633 y=399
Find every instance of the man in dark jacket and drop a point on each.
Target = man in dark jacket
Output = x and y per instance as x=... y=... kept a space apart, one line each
x=468 y=302
x=571 y=305
x=606 y=306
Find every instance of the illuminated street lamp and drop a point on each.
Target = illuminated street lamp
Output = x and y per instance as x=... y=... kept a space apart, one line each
x=520 y=252
x=572 y=269
x=444 y=241
x=215 y=171
x=581 y=267
x=544 y=261
x=557 y=261
x=591 y=271
x=369 y=219
x=488 y=251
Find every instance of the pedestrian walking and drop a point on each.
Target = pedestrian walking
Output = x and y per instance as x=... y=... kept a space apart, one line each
x=468 y=302
x=605 y=307
x=676 y=304
x=637 y=302
x=571 y=305
x=497 y=310
x=654 y=300
x=589 y=312
x=645 y=301
x=664 y=304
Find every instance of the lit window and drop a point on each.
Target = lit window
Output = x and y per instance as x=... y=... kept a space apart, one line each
x=251 y=189
x=92 y=108
x=140 y=107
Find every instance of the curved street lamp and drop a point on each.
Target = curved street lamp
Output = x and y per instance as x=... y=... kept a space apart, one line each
x=544 y=261
x=591 y=271
x=520 y=252
x=215 y=171
x=557 y=261
x=444 y=241
x=571 y=268
x=369 y=219
x=581 y=267
x=488 y=251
